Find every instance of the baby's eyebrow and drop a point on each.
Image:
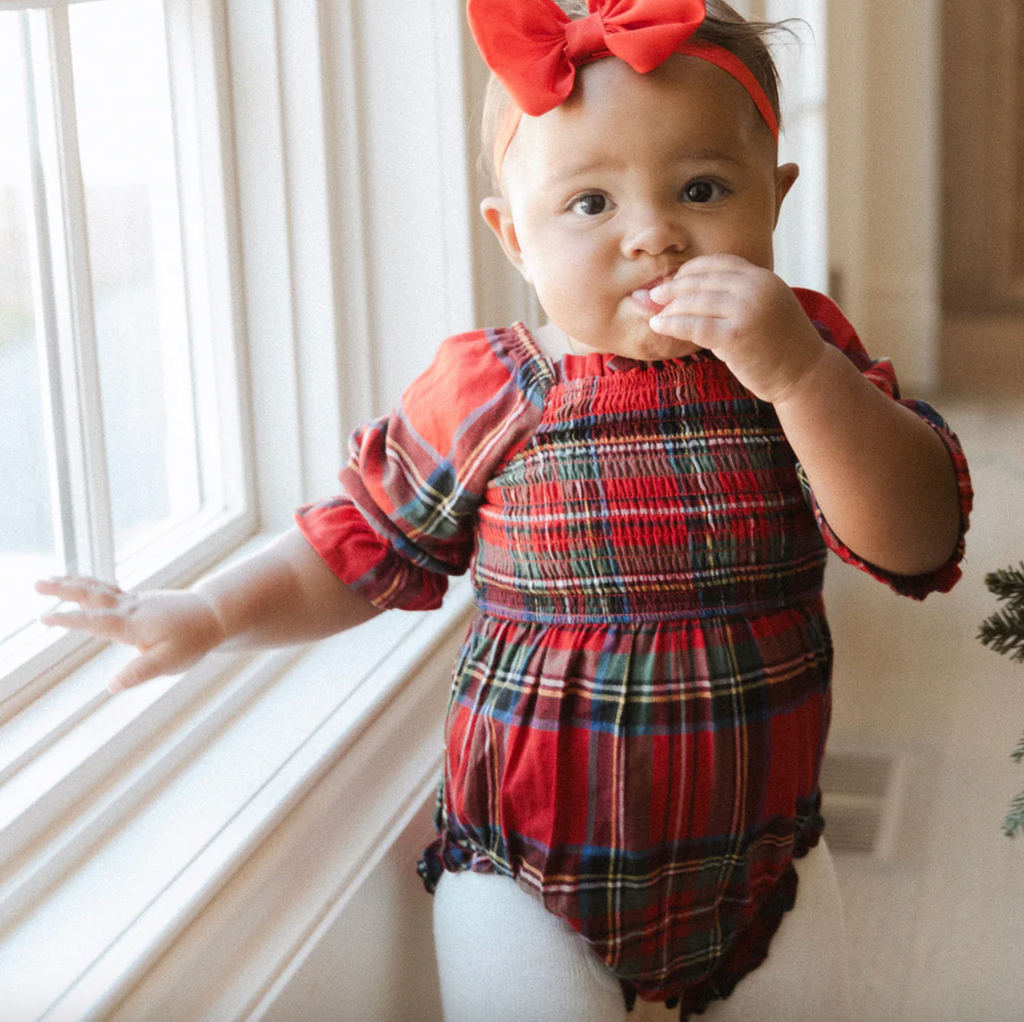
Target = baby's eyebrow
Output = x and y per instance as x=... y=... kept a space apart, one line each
x=582 y=169
x=709 y=155
x=682 y=156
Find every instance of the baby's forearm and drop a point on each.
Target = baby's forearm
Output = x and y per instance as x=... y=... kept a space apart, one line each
x=882 y=477
x=281 y=596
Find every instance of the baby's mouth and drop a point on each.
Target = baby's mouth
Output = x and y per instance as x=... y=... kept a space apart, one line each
x=642 y=295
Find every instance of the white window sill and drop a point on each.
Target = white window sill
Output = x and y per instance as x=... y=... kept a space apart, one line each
x=119 y=829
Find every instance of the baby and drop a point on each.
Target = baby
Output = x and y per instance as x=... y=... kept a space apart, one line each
x=644 y=490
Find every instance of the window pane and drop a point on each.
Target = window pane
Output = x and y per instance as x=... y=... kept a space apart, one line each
x=128 y=169
x=27 y=547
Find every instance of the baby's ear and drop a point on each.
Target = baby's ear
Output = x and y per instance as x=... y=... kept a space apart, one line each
x=498 y=216
x=785 y=178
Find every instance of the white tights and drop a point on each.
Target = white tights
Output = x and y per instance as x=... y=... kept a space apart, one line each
x=502 y=957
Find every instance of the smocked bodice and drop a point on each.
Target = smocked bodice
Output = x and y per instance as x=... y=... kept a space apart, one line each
x=644 y=494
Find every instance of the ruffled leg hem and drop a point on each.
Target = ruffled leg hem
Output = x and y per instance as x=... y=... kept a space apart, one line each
x=751 y=947
x=446 y=855
x=744 y=957
x=746 y=954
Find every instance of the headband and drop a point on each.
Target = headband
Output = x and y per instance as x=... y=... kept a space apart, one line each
x=534 y=49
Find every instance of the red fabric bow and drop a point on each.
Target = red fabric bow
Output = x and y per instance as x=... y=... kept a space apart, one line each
x=535 y=48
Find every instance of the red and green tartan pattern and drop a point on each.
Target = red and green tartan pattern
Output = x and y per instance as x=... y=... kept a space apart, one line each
x=650 y=784
x=640 y=709
x=648 y=494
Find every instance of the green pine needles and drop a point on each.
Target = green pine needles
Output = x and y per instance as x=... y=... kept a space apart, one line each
x=1004 y=632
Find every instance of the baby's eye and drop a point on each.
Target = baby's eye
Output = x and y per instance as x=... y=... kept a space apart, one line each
x=703 y=191
x=593 y=204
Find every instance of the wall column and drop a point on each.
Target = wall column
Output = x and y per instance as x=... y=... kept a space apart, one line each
x=884 y=155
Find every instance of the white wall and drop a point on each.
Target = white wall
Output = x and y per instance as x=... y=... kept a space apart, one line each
x=801 y=237
x=376 y=959
x=883 y=156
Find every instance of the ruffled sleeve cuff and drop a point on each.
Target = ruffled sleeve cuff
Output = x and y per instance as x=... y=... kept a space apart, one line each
x=365 y=561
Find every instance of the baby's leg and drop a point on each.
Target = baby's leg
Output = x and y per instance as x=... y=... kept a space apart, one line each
x=805 y=977
x=502 y=957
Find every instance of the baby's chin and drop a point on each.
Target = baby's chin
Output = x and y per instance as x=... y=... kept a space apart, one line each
x=651 y=348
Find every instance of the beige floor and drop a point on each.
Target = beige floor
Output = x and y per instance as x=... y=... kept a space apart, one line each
x=936 y=929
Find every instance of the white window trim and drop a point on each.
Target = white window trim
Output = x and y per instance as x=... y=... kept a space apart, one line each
x=83 y=773
x=287 y=854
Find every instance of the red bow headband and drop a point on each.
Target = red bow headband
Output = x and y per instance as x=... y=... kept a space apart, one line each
x=534 y=48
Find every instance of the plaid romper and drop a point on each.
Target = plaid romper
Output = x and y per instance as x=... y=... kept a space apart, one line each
x=639 y=711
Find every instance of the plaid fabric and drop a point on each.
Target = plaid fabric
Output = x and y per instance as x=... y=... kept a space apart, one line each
x=639 y=712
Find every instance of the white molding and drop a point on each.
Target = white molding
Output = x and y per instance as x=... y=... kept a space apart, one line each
x=197 y=46
x=266 y=236
x=801 y=237
x=305 y=83
x=457 y=208
x=358 y=378
x=22 y=5
x=291 y=892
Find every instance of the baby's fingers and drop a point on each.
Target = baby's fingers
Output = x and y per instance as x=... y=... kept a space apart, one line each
x=681 y=327
x=161 y=659
x=719 y=266
x=699 y=304
x=718 y=289
x=104 y=623
x=89 y=592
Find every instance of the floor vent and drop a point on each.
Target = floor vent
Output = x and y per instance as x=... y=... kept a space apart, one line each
x=861 y=796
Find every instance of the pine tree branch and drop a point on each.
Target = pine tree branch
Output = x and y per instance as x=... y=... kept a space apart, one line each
x=1007 y=584
x=1018 y=753
x=1004 y=632
x=1015 y=817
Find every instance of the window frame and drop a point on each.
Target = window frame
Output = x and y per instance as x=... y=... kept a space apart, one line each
x=78 y=767
x=206 y=197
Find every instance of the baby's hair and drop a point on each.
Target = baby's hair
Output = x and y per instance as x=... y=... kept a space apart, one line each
x=722 y=25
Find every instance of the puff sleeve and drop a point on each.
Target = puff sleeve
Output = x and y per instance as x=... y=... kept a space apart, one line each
x=836 y=329
x=415 y=478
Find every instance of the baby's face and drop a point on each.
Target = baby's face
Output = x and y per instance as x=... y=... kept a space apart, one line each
x=632 y=176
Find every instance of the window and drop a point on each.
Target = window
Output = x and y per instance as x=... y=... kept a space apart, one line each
x=123 y=820
x=120 y=447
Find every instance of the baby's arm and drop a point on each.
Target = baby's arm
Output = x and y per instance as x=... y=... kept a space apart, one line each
x=881 y=476
x=284 y=594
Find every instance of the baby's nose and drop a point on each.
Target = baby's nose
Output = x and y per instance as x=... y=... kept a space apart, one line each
x=653 y=232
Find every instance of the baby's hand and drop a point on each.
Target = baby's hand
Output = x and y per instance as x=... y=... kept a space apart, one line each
x=746 y=315
x=172 y=630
